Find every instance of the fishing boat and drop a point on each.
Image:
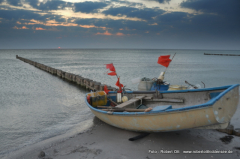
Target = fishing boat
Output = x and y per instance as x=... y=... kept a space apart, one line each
x=154 y=111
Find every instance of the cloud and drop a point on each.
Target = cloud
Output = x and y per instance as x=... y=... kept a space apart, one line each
x=48 y=5
x=14 y=2
x=224 y=7
x=92 y=26
x=220 y=16
x=109 y=34
x=153 y=24
x=227 y=9
x=19 y=14
x=105 y=33
x=29 y=17
x=115 y=25
x=23 y=27
x=119 y=34
x=146 y=13
x=174 y=17
x=161 y=1
x=39 y=28
x=88 y=7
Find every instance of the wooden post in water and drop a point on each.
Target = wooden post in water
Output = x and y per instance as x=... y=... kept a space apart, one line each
x=86 y=82
x=70 y=77
x=78 y=79
x=91 y=84
x=54 y=71
x=66 y=76
x=63 y=74
x=83 y=82
x=74 y=78
x=97 y=86
x=59 y=73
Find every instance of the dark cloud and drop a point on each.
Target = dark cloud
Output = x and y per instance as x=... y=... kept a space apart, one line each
x=46 y=5
x=161 y=1
x=214 y=25
x=126 y=26
x=85 y=7
x=129 y=3
x=222 y=7
x=49 y=5
x=25 y=16
x=225 y=17
x=14 y=2
x=88 y=7
x=174 y=17
x=145 y=13
x=19 y=14
x=109 y=23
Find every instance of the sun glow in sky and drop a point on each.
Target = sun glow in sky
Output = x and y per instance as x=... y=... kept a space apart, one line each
x=156 y=24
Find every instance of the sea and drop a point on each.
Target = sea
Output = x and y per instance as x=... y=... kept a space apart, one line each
x=36 y=106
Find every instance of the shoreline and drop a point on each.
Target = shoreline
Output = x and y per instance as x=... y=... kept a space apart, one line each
x=35 y=147
x=104 y=141
x=96 y=139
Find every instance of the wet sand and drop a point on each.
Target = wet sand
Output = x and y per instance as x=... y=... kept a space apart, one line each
x=104 y=141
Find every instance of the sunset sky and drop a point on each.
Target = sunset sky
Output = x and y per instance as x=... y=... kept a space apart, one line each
x=137 y=24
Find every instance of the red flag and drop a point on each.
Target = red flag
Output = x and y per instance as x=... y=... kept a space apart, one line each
x=164 y=60
x=106 y=90
x=118 y=83
x=112 y=73
x=110 y=67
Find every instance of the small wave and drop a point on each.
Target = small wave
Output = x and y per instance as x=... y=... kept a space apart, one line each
x=70 y=126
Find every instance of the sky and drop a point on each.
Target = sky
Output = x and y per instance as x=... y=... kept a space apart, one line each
x=120 y=24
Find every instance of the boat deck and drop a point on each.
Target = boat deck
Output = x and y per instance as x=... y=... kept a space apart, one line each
x=176 y=100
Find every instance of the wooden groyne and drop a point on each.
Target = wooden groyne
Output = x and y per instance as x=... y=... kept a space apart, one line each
x=77 y=79
x=222 y=54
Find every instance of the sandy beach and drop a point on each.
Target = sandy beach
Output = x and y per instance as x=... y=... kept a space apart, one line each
x=104 y=141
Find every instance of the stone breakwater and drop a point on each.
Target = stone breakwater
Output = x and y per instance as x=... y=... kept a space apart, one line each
x=77 y=79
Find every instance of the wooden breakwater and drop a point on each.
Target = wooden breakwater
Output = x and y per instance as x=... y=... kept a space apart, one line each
x=222 y=54
x=77 y=79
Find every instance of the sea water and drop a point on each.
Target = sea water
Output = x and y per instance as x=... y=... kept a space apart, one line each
x=35 y=105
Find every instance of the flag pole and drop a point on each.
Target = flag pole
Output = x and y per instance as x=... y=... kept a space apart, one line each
x=120 y=89
x=171 y=61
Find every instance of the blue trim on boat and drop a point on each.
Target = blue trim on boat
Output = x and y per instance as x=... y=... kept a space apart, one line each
x=209 y=103
x=198 y=90
x=161 y=108
x=214 y=94
x=184 y=91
